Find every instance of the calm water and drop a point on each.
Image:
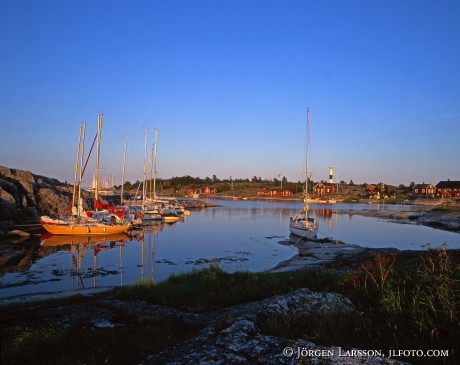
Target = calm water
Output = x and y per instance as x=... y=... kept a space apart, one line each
x=238 y=235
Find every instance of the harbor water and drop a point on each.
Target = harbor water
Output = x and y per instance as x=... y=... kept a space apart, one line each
x=235 y=235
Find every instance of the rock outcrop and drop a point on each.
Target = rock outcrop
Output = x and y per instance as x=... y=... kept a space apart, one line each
x=26 y=196
x=242 y=334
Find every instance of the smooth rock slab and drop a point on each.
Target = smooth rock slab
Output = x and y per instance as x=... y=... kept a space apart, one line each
x=242 y=343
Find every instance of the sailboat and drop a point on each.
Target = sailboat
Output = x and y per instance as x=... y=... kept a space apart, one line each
x=79 y=224
x=150 y=210
x=301 y=224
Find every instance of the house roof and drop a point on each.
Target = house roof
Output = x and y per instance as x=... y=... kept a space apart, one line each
x=448 y=184
x=279 y=189
x=325 y=184
x=421 y=186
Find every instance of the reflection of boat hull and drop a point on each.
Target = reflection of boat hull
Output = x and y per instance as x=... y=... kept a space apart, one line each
x=88 y=229
x=57 y=240
x=322 y=201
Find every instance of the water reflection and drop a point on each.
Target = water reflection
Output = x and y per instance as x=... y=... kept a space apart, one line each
x=79 y=247
x=237 y=235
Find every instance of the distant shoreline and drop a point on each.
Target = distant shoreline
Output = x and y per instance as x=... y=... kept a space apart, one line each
x=442 y=218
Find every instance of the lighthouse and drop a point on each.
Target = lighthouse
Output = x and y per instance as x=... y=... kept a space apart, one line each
x=331 y=175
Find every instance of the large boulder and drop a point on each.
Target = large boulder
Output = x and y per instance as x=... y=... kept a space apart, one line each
x=6 y=172
x=25 y=196
x=243 y=343
x=52 y=202
x=8 y=200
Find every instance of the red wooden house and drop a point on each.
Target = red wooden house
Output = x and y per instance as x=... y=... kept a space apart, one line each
x=279 y=192
x=324 y=188
x=263 y=192
x=274 y=192
x=424 y=189
x=372 y=188
x=378 y=188
x=448 y=189
x=208 y=190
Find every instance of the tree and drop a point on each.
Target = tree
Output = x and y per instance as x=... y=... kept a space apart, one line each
x=351 y=183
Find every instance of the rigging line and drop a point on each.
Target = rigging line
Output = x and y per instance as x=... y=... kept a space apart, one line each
x=86 y=164
x=87 y=158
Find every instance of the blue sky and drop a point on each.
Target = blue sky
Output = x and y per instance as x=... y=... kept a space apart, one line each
x=227 y=84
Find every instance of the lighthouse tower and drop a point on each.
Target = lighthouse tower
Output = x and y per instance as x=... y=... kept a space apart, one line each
x=331 y=175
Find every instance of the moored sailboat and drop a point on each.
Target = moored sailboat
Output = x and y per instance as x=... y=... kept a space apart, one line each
x=79 y=223
x=301 y=224
x=87 y=227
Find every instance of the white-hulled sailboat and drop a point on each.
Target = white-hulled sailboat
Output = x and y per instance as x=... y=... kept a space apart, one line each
x=301 y=224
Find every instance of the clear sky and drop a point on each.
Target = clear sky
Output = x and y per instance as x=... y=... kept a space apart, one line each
x=227 y=84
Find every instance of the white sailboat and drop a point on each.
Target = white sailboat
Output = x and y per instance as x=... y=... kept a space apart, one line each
x=150 y=210
x=301 y=224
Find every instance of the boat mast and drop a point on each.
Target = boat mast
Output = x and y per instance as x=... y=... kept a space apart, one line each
x=123 y=173
x=152 y=156
x=82 y=153
x=155 y=165
x=307 y=146
x=144 y=190
x=98 y=152
x=75 y=181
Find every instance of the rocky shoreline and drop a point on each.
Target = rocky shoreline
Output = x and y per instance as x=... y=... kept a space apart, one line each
x=442 y=218
x=233 y=335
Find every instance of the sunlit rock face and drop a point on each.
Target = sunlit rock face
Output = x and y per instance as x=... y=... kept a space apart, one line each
x=24 y=195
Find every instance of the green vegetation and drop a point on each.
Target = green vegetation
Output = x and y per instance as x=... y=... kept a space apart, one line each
x=403 y=305
x=213 y=288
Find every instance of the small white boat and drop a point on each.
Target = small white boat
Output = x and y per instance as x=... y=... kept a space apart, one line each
x=170 y=218
x=150 y=212
x=301 y=224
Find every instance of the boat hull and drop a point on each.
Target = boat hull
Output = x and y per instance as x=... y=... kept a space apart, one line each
x=85 y=229
x=148 y=216
x=170 y=218
x=302 y=232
